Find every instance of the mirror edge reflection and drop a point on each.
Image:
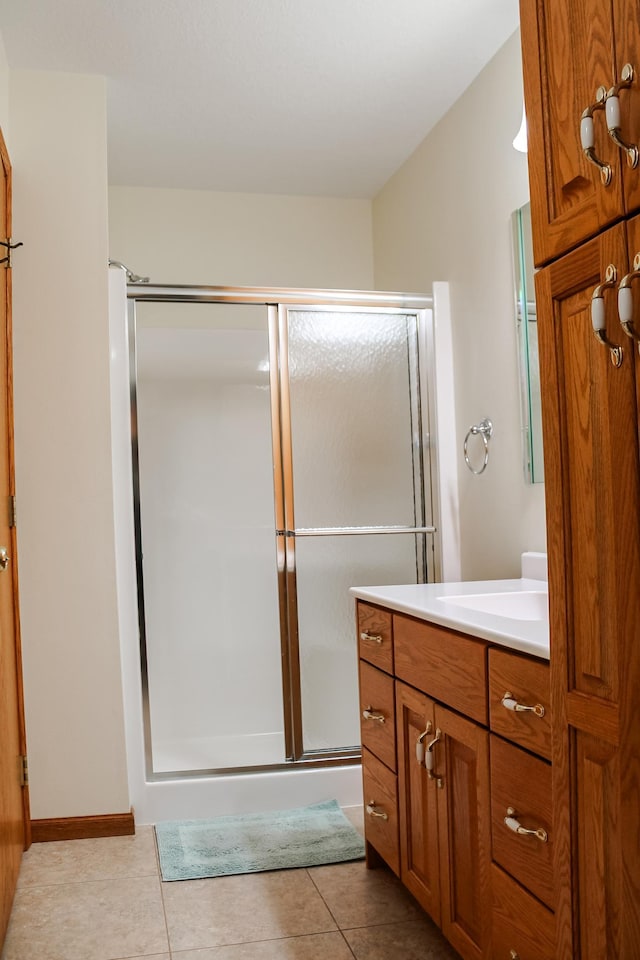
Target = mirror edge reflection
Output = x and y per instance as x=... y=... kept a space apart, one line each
x=527 y=341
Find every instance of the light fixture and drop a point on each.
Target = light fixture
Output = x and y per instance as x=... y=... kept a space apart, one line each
x=520 y=139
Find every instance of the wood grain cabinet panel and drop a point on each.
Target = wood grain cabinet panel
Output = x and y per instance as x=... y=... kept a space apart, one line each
x=417 y=803
x=375 y=641
x=608 y=852
x=526 y=681
x=444 y=819
x=520 y=925
x=592 y=484
x=446 y=665
x=521 y=792
x=377 y=714
x=462 y=760
x=380 y=791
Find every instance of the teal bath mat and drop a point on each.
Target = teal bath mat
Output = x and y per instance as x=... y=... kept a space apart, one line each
x=251 y=843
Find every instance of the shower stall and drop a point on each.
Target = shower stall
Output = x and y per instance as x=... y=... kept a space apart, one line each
x=282 y=450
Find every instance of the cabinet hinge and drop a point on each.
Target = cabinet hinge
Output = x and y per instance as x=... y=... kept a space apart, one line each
x=13 y=518
x=23 y=771
x=9 y=247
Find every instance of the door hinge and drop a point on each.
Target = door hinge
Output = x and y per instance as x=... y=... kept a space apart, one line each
x=23 y=771
x=13 y=517
x=9 y=247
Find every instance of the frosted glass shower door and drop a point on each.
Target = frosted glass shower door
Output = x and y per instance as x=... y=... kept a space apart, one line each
x=206 y=515
x=356 y=511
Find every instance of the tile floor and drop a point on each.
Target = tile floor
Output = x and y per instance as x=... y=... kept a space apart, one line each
x=104 y=900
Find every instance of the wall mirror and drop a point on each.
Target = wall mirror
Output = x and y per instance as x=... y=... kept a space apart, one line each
x=527 y=334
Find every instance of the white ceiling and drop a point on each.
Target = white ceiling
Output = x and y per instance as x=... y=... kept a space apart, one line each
x=319 y=97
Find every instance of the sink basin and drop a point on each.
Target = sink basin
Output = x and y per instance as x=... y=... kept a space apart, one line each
x=517 y=605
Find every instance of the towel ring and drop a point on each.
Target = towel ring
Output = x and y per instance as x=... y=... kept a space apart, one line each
x=485 y=430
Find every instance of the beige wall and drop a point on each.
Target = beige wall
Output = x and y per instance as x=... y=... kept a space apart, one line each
x=445 y=216
x=229 y=239
x=72 y=676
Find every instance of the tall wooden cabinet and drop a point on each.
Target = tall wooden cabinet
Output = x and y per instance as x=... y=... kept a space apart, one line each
x=585 y=240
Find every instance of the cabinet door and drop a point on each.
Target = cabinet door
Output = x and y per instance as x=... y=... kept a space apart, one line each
x=591 y=473
x=592 y=496
x=462 y=760
x=567 y=54
x=417 y=806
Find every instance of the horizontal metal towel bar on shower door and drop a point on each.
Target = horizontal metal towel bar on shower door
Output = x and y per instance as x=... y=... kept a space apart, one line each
x=353 y=531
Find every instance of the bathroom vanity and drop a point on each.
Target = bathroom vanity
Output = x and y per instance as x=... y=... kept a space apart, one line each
x=455 y=719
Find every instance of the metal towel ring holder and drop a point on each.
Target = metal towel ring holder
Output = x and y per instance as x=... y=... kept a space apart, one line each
x=485 y=430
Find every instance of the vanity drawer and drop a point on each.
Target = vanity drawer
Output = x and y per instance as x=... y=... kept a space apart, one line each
x=527 y=682
x=443 y=664
x=380 y=790
x=520 y=926
x=375 y=642
x=521 y=783
x=377 y=713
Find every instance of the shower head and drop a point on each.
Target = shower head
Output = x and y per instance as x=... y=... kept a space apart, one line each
x=131 y=277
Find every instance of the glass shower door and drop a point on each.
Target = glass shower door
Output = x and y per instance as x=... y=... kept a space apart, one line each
x=210 y=613
x=355 y=505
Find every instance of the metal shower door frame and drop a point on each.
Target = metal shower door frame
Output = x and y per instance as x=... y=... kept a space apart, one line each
x=278 y=301
x=421 y=405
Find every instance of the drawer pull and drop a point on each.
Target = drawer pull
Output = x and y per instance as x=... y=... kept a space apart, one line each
x=420 y=744
x=612 y=114
x=514 y=955
x=430 y=760
x=599 y=315
x=510 y=703
x=369 y=714
x=370 y=637
x=372 y=811
x=515 y=825
x=588 y=137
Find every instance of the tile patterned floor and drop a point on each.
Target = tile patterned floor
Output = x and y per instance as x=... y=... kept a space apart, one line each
x=104 y=900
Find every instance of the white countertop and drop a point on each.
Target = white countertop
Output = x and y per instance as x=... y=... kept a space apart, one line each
x=428 y=601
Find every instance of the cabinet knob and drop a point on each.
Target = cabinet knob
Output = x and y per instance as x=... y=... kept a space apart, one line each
x=612 y=113
x=370 y=637
x=588 y=137
x=599 y=316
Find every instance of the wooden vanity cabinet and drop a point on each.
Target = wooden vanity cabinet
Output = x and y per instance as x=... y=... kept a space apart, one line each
x=443 y=819
x=472 y=745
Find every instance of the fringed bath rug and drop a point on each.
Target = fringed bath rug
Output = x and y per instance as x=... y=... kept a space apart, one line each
x=253 y=842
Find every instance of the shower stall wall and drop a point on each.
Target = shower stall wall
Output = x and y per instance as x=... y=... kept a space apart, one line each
x=282 y=451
